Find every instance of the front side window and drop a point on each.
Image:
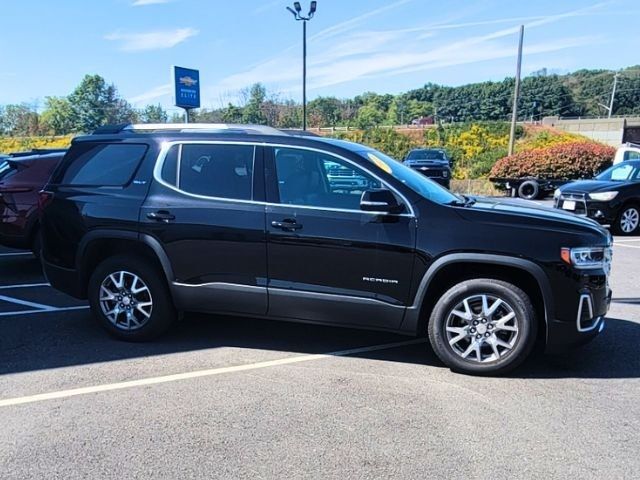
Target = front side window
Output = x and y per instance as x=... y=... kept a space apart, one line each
x=311 y=178
x=216 y=170
x=103 y=164
x=621 y=172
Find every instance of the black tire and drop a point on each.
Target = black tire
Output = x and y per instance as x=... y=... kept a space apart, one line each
x=529 y=190
x=619 y=228
x=523 y=340
x=162 y=312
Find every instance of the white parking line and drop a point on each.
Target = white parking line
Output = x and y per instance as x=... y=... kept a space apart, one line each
x=49 y=310
x=627 y=246
x=15 y=254
x=26 y=303
x=24 y=285
x=625 y=240
x=199 y=373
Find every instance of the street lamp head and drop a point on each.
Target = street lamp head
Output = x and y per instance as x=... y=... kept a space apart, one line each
x=297 y=6
x=312 y=9
x=295 y=14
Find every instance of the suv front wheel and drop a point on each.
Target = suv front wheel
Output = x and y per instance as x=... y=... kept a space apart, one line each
x=483 y=327
x=129 y=298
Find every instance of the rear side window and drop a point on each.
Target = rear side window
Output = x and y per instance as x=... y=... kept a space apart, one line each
x=211 y=170
x=103 y=164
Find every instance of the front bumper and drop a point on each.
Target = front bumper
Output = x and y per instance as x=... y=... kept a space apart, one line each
x=583 y=317
x=437 y=174
x=602 y=212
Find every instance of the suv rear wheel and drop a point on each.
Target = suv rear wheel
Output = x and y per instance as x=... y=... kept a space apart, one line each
x=129 y=298
x=483 y=327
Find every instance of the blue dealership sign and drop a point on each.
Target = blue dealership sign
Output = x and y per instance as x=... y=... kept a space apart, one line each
x=186 y=83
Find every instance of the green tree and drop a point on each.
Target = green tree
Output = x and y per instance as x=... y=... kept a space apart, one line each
x=20 y=120
x=58 y=115
x=154 y=114
x=232 y=114
x=253 y=112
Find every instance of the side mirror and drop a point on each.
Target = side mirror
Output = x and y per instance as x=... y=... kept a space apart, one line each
x=380 y=200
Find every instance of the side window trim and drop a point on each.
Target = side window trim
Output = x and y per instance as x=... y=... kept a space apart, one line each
x=268 y=165
x=273 y=195
x=164 y=151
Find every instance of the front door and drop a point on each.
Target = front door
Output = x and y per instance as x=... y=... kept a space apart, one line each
x=201 y=207
x=328 y=261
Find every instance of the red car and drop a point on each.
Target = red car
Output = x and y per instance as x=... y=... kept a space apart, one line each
x=22 y=176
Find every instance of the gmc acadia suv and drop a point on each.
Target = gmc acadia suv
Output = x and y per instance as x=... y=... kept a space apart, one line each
x=147 y=221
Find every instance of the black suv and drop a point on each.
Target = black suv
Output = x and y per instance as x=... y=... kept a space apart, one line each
x=150 y=221
x=611 y=198
x=432 y=163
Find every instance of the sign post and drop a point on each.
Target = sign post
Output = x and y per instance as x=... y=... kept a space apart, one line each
x=186 y=84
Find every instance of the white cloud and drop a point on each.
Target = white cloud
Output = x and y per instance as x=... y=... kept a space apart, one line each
x=138 y=42
x=142 y=3
x=153 y=94
x=344 y=57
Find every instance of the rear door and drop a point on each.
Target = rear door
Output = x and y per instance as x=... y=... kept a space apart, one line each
x=329 y=261
x=202 y=208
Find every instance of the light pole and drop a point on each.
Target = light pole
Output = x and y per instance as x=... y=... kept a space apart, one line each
x=297 y=8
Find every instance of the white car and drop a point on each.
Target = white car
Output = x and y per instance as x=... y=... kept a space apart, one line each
x=627 y=151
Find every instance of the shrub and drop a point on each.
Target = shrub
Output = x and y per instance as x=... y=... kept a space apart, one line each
x=547 y=137
x=563 y=161
x=17 y=144
x=387 y=140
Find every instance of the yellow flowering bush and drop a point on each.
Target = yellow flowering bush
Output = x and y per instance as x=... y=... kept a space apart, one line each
x=19 y=144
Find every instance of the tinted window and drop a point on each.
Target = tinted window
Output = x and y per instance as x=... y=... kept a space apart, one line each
x=311 y=178
x=223 y=171
x=426 y=155
x=631 y=155
x=170 y=166
x=103 y=164
x=7 y=169
x=621 y=172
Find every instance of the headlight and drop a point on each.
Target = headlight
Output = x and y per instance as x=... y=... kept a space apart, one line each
x=556 y=193
x=603 y=196
x=588 y=257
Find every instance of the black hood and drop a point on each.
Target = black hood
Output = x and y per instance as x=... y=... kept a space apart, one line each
x=588 y=186
x=517 y=212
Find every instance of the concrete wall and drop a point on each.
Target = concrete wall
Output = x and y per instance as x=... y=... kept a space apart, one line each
x=605 y=130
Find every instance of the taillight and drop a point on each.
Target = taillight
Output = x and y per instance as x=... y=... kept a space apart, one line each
x=44 y=199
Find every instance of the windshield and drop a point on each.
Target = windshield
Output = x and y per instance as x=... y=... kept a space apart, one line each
x=412 y=179
x=426 y=155
x=621 y=172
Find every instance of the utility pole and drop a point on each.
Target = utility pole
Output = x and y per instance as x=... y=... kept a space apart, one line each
x=516 y=95
x=613 y=93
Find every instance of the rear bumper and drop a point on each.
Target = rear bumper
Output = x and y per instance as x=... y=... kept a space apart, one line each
x=66 y=280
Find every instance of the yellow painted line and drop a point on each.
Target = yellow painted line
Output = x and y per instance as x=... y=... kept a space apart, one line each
x=41 y=397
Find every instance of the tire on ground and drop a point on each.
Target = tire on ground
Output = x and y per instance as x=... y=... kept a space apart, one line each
x=163 y=312
x=514 y=296
x=529 y=190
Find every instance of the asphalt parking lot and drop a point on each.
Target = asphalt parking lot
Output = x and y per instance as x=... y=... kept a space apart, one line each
x=235 y=397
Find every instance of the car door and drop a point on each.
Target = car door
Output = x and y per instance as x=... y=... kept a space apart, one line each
x=201 y=208
x=328 y=261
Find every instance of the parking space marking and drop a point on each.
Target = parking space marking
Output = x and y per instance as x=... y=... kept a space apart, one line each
x=627 y=246
x=15 y=254
x=49 y=310
x=200 y=373
x=24 y=285
x=26 y=303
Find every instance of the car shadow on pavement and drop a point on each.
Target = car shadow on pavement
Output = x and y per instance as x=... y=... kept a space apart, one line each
x=50 y=341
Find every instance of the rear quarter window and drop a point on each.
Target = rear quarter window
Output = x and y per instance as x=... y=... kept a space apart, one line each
x=102 y=164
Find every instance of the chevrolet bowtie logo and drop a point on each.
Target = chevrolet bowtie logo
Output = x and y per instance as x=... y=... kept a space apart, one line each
x=188 y=81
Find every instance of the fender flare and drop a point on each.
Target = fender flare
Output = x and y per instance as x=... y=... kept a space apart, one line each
x=105 y=234
x=411 y=322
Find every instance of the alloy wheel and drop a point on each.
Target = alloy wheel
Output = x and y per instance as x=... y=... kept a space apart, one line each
x=482 y=328
x=125 y=300
x=629 y=220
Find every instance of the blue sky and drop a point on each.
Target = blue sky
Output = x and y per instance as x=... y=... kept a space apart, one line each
x=389 y=46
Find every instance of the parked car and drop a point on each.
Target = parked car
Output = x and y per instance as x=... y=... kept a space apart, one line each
x=432 y=163
x=22 y=176
x=627 y=151
x=611 y=198
x=150 y=220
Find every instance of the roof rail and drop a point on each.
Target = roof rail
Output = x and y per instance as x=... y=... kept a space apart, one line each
x=631 y=144
x=198 y=128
